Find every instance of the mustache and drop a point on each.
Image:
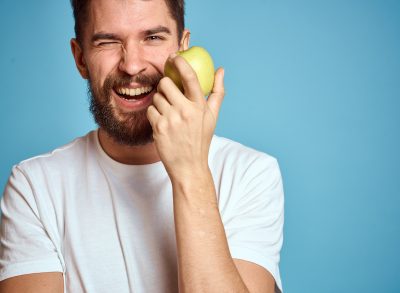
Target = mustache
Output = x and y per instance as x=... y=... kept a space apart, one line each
x=124 y=80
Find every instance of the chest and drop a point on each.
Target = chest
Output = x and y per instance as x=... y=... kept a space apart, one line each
x=119 y=235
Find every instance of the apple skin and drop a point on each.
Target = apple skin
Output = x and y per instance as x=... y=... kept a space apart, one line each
x=201 y=62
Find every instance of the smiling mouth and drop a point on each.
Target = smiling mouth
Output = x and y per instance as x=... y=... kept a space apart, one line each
x=130 y=94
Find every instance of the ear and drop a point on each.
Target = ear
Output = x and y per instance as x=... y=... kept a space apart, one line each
x=79 y=59
x=184 y=43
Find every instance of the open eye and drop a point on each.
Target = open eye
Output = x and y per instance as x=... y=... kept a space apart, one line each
x=154 y=38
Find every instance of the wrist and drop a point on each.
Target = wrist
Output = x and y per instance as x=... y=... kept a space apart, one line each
x=189 y=174
x=194 y=181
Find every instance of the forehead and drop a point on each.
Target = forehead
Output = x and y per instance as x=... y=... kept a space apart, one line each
x=128 y=15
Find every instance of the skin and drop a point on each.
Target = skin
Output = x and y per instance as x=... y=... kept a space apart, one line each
x=183 y=126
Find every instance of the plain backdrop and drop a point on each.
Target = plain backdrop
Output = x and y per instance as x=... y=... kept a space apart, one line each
x=315 y=83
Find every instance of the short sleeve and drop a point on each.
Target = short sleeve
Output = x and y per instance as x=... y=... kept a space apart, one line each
x=254 y=223
x=25 y=246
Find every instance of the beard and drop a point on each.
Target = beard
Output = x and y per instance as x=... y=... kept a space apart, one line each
x=127 y=128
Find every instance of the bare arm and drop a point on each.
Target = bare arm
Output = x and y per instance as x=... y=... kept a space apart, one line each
x=34 y=283
x=256 y=278
x=204 y=260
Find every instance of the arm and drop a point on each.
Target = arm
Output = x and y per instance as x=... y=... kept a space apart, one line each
x=256 y=278
x=204 y=260
x=183 y=127
x=34 y=283
x=28 y=258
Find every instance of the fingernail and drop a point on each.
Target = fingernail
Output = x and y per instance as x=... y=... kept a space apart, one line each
x=173 y=55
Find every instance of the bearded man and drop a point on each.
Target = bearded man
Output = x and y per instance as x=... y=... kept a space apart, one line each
x=151 y=201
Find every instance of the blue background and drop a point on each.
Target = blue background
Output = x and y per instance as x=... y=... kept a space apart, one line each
x=314 y=83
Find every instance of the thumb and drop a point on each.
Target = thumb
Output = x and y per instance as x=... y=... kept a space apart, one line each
x=216 y=97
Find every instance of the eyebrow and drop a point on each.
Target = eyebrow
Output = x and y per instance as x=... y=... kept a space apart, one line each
x=110 y=36
x=157 y=30
x=104 y=36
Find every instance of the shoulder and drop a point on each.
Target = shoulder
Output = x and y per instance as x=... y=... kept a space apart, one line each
x=60 y=158
x=224 y=151
x=41 y=180
x=239 y=170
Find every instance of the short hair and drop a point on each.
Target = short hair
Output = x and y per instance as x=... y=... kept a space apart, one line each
x=80 y=10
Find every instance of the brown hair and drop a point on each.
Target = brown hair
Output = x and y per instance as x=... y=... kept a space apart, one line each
x=80 y=10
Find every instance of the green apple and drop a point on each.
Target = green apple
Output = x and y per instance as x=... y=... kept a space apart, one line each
x=202 y=64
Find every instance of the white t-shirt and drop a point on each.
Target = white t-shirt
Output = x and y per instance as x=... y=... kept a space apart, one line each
x=109 y=227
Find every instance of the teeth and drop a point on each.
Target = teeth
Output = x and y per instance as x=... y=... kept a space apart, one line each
x=134 y=92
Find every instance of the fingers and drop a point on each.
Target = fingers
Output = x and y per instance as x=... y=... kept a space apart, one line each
x=170 y=91
x=153 y=115
x=190 y=82
x=161 y=103
x=216 y=97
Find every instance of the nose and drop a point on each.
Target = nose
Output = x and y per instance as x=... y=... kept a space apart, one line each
x=132 y=59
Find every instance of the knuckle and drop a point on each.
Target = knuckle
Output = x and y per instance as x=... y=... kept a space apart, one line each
x=185 y=114
x=157 y=98
x=175 y=119
x=191 y=76
x=191 y=116
x=161 y=126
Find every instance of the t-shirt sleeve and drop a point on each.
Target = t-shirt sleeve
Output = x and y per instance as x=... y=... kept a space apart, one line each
x=25 y=246
x=254 y=222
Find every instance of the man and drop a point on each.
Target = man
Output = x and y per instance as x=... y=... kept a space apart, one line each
x=152 y=201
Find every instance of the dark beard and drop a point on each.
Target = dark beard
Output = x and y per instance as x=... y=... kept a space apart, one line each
x=133 y=128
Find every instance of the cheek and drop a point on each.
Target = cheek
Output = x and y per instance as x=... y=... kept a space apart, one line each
x=101 y=64
x=158 y=56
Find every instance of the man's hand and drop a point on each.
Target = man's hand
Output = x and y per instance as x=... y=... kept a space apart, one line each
x=183 y=124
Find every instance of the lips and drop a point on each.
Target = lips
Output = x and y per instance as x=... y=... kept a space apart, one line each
x=133 y=93
x=133 y=99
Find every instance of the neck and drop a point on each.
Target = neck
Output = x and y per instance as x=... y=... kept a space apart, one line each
x=130 y=155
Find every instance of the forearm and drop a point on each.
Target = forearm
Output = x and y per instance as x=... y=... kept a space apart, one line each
x=204 y=260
